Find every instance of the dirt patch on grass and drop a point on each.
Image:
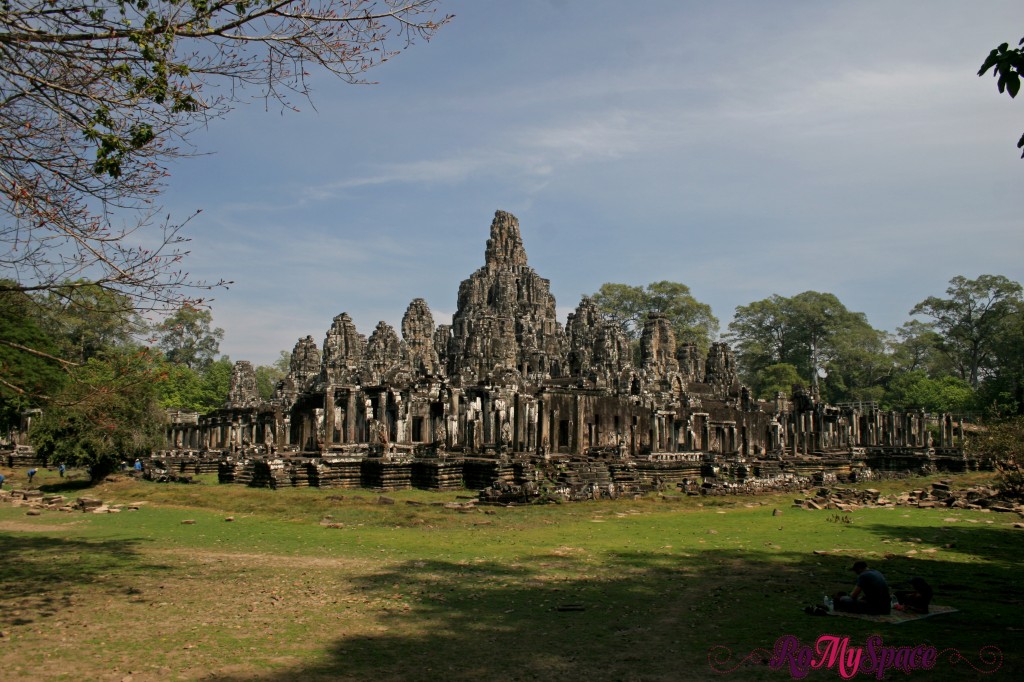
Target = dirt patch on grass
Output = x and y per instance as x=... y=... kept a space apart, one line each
x=347 y=564
x=243 y=615
x=22 y=527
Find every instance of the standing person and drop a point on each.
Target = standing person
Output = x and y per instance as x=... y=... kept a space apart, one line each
x=31 y=473
x=870 y=594
x=1 y=481
x=60 y=469
x=138 y=465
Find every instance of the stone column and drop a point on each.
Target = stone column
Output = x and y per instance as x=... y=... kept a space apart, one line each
x=576 y=427
x=330 y=415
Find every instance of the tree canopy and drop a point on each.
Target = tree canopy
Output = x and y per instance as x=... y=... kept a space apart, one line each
x=916 y=390
x=88 y=320
x=915 y=348
x=692 y=321
x=966 y=357
x=267 y=376
x=187 y=339
x=30 y=371
x=1002 y=389
x=778 y=378
x=814 y=333
x=970 y=320
x=107 y=412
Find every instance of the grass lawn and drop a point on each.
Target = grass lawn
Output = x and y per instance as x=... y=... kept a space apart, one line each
x=624 y=590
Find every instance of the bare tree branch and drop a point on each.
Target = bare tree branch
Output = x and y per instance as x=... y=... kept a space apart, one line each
x=38 y=354
x=97 y=96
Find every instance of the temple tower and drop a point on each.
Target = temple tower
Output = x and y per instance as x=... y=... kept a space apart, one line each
x=505 y=320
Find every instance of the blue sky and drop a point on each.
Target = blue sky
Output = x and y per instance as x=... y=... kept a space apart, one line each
x=744 y=148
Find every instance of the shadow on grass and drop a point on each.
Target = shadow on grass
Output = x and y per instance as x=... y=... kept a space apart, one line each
x=67 y=486
x=998 y=544
x=39 y=573
x=637 y=616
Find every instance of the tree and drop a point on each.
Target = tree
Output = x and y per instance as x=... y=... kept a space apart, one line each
x=779 y=378
x=1002 y=390
x=692 y=321
x=970 y=320
x=30 y=371
x=1007 y=67
x=818 y=318
x=107 y=412
x=186 y=338
x=267 y=376
x=1002 y=443
x=916 y=390
x=917 y=348
x=182 y=389
x=88 y=320
x=762 y=334
x=814 y=333
x=202 y=391
x=860 y=363
x=97 y=96
x=216 y=383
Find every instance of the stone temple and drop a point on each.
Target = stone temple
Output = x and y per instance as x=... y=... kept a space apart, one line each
x=507 y=398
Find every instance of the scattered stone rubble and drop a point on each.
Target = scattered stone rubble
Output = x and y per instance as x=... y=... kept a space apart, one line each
x=181 y=465
x=940 y=494
x=20 y=456
x=35 y=501
x=165 y=476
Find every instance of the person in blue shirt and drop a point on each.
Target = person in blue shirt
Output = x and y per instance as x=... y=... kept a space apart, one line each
x=1 y=481
x=31 y=473
x=60 y=469
x=138 y=465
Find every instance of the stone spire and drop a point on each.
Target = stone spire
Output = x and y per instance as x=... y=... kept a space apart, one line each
x=303 y=369
x=505 y=247
x=596 y=346
x=383 y=351
x=305 y=362
x=243 y=391
x=691 y=364
x=418 y=334
x=720 y=368
x=344 y=348
x=505 y=320
x=658 y=346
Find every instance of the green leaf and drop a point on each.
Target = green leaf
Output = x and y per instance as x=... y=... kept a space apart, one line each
x=990 y=61
x=1012 y=84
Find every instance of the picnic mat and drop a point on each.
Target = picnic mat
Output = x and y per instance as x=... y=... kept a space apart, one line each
x=897 y=617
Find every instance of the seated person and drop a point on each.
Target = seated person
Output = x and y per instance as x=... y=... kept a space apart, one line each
x=870 y=595
x=916 y=599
